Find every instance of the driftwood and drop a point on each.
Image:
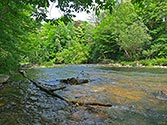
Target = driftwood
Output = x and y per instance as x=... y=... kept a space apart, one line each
x=51 y=92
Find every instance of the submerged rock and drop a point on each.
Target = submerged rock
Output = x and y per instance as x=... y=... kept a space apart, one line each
x=161 y=95
x=3 y=78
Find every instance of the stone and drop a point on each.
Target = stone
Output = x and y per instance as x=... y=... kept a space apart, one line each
x=3 y=78
x=74 y=81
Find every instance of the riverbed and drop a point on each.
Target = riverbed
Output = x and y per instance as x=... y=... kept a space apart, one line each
x=138 y=97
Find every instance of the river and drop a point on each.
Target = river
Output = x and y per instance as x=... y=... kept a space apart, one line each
x=138 y=97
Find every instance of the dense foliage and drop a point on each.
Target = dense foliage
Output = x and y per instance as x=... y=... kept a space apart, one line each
x=60 y=43
x=154 y=16
x=121 y=34
x=14 y=23
x=127 y=31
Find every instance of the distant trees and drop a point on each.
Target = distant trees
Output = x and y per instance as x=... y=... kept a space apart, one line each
x=60 y=43
x=76 y=49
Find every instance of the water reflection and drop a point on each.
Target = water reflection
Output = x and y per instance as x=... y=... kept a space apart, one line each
x=137 y=95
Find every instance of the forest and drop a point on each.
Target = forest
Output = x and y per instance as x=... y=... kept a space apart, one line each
x=127 y=32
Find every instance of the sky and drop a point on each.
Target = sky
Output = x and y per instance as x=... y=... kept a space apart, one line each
x=54 y=12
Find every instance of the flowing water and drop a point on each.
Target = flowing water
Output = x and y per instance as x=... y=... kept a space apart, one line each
x=138 y=96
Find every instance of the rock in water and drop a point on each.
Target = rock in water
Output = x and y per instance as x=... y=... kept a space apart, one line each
x=74 y=81
x=3 y=78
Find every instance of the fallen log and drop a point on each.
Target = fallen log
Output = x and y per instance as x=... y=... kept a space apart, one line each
x=51 y=92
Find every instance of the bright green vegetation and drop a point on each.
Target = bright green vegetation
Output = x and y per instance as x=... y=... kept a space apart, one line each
x=127 y=32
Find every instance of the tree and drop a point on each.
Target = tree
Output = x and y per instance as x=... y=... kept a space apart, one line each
x=132 y=33
x=154 y=15
x=122 y=31
x=60 y=43
x=72 y=42
x=15 y=23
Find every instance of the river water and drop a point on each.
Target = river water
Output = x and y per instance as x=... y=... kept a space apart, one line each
x=138 y=97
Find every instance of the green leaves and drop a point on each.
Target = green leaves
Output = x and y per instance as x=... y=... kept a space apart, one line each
x=60 y=43
x=75 y=54
x=15 y=24
x=121 y=31
x=73 y=42
x=154 y=13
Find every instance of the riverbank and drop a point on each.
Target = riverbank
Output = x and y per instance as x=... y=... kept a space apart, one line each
x=100 y=64
x=137 y=65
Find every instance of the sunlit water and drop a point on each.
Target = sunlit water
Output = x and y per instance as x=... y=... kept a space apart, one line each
x=138 y=96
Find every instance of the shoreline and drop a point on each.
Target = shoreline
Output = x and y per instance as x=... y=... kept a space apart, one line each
x=98 y=64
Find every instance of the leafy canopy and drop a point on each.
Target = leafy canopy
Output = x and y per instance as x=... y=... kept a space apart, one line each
x=121 y=30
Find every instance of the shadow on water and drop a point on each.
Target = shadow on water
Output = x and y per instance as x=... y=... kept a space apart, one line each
x=138 y=95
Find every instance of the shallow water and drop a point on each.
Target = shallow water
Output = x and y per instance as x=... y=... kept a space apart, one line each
x=138 y=96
